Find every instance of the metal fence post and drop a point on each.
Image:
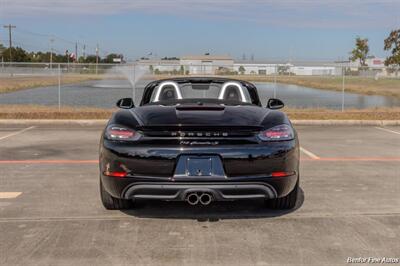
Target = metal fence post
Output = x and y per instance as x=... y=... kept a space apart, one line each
x=134 y=83
x=59 y=87
x=275 y=73
x=343 y=85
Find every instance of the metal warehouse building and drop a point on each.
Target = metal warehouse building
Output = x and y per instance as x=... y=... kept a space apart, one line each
x=206 y=64
x=222 y=64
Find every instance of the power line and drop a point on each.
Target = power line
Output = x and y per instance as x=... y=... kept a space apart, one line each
x=62 y=39
x=23 y=44
x=56 y=52
x=55 y=38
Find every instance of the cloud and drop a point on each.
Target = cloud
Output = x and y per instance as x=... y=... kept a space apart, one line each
x=289 y=13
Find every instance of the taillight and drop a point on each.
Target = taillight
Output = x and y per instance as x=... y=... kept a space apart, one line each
x=116 y=174
x=281 y=132
x=281 y=174
x=121 y=133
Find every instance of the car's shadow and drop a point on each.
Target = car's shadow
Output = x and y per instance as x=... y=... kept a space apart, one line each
x=243 y=209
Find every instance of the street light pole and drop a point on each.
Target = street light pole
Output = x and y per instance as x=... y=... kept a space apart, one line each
x=97 y=57
x=76 y=52
x=343 y=85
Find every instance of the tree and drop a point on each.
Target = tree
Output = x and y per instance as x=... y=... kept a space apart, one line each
x=360 y=52
x=40 y=57
x=90 y=59
x=110 y=58
x=393 y=42
x=170 y=58
x=2 y=48
x=81 y=59
x=242 y=70
x=18 y=55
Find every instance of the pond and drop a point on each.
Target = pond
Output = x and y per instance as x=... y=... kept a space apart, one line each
x=302 y=97
x=105 y=93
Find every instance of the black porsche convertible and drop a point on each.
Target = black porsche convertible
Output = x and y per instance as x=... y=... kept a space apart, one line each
x=199 y=139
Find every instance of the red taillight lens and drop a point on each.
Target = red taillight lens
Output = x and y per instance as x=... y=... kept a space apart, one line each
x=121 y=133
x=281 y=132
x=116 y=174
x=281 y=174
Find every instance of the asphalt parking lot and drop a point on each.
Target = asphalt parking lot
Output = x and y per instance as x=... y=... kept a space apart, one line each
x=50 y=212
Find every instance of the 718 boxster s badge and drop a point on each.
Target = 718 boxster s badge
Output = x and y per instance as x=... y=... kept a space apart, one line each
x=199 y=140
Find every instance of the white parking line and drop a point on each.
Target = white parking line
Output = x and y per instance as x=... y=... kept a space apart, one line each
x=309 y=154
x=9 y=195
x=388 y=130
x=16 y=133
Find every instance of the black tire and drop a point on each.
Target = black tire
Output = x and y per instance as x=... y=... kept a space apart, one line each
x=287 y=202
x=111 y=203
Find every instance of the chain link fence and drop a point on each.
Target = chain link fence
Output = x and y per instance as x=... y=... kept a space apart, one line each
x=332 y=86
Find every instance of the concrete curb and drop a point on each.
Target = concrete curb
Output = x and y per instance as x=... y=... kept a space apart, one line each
x=102 y=122
x=33 y=122
x=346 y=122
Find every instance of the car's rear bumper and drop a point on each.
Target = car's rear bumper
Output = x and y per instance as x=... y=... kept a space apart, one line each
x=244 y=188
x=181 y=191
x=242 y=171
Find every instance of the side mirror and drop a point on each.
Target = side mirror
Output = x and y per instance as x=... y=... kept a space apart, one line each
x=125 y=103
x=275 y=104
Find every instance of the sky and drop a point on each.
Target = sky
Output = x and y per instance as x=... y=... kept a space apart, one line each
x=266 y=30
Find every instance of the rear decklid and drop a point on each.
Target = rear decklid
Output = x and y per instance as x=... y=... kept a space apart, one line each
x=210 y=115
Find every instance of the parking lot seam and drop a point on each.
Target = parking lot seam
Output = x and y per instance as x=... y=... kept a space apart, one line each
x=388 y=130
x=309 y=154
x=9 y=195
x=116 y=218
x=17 y=133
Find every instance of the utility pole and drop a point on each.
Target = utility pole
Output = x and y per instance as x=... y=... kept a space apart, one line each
x=51 y=53
x=67 y=55
x=97 y=57
x=76 y=52
x=10 y=27
x=2 y=57
x=84 y=51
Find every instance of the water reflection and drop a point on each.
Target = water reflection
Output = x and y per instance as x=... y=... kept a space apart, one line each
x=303 y=97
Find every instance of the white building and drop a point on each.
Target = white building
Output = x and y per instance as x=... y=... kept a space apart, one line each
x=372 y=62
x=225 y=65
x=206 y=64
x=271 y=69
x=375 y=62
x=160 y=65
x=313 y=70
x=255 y=68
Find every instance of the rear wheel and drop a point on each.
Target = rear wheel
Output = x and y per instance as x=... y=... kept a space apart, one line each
x=111 y=203
x=287 y=202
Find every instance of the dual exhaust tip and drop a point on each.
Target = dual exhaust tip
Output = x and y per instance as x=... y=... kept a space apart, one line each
x=196 y=198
